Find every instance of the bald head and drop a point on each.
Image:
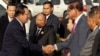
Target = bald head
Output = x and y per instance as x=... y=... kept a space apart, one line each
x=40 y=20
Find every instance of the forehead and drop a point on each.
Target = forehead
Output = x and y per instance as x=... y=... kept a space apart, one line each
x=26 y=10
x=91 y=18
x=46 y=5
x=11 y=7
x=40 y=16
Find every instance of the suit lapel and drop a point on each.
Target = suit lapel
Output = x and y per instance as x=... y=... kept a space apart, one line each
x=49 y=20
x=96 y=43
x=6 y=19
x=19 y=25
x=34 y=31
x=42 y=32
x=94 y=32
x=79 y=22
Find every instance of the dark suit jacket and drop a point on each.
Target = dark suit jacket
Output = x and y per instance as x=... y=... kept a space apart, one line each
x=15 y=42
x=3 y=25
x=96 y=45
x=53 y=21
x=47 y=36
x=78 y=38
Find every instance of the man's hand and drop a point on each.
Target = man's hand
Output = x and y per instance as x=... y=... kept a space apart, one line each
x=48 y=49
x=70 y=25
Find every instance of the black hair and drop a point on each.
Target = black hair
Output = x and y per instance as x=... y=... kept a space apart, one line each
x=20 y=9
x=10 y=4
x=93 y=8
x=93 y=11
x=48 y=2
x=76 y=4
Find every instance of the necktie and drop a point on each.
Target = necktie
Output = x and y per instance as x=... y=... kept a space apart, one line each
x=24 y=27
x=37 y=32
x=74 y=26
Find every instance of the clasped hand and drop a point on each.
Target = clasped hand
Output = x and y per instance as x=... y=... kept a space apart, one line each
x=48 y=49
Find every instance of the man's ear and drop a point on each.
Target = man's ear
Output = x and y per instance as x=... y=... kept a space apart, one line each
x=76 y=10
x=45 y=21
x=52 y=8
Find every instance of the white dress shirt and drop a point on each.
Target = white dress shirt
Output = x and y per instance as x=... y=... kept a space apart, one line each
x=78 y=18
x=47 y=16
x=39 y=30
x=9 y=19
x=95 y=28
x=99 y=27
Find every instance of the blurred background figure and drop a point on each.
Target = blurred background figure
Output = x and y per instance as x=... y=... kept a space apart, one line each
x=52 y=19
x=68 y=27
x=5 y=19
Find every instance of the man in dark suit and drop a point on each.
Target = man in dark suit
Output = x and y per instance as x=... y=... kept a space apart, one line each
x=51 y=18
x=92 y=17
x=80 y=30
x=5 y=19
x=15 y=42
x=45 y=35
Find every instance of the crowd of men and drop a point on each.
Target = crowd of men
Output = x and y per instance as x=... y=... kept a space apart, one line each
x=79 y=34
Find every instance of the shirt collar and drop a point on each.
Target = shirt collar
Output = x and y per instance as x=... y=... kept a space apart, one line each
x=9 y=19
x=99 y=27
x=20 y=22
x=39 y=28
x=95 y=28
x=77 y=19
x=47 y=16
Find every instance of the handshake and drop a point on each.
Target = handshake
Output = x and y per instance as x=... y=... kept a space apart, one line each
x=48 y=49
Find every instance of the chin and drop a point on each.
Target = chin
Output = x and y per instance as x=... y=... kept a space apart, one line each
x=40 y=26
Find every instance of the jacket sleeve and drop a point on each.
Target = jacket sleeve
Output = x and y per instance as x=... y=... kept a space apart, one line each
x=52 y=36
x=21 y=38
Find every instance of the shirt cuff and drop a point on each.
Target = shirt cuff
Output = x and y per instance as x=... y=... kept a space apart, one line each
x=56 y=48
